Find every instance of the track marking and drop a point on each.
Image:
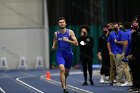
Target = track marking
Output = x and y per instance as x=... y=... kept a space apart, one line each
x=18 y=79
x=76 y=89
x=2 y=90
x=9 y=77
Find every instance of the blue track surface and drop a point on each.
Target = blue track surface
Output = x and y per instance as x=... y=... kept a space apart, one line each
x=33 y=81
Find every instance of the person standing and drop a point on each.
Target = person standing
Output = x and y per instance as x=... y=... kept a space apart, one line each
x=134 y=56
x=127 y=74
x=116 y=46
x=86 y=44
x=103 y=55
x=63 y=39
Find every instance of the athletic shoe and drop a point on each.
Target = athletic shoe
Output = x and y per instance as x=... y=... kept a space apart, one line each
x=65 y=91
x=114 y=81
x=84 y=84
x=135 y=90
x=131 y=89
x=102 y=79
x=117 y=84
x=91 y=82
x=127 y=83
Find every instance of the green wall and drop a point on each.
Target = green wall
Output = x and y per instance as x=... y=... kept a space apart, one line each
x=94 y=31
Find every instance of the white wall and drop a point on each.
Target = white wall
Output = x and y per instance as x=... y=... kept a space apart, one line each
x=22 y=32
x=21 y=13
x=15 y=43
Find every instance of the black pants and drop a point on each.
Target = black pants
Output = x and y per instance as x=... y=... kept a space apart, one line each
x=105 y=68
x=87 y=66
x=135 y=70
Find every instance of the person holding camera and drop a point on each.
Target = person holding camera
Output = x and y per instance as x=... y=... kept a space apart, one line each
x=86 y=44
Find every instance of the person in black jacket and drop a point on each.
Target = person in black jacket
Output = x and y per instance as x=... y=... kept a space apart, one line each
x=86 y=53
x=103 y=55
x=134 y=56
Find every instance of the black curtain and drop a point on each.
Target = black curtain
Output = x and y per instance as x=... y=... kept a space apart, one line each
x=90 y=12
x=122 y=10
x=76 y=12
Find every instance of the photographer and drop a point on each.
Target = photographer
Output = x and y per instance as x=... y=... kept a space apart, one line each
x=86 y=53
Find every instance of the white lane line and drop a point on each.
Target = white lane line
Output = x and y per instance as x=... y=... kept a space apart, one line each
x=9 y=77
x=2 y=90
x=79 y=90
x=18 y=79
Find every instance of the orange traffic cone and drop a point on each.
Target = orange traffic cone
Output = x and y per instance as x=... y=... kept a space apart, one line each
x=48 y=75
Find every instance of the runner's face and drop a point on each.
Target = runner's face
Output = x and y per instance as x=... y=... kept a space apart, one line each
x=62 y=24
